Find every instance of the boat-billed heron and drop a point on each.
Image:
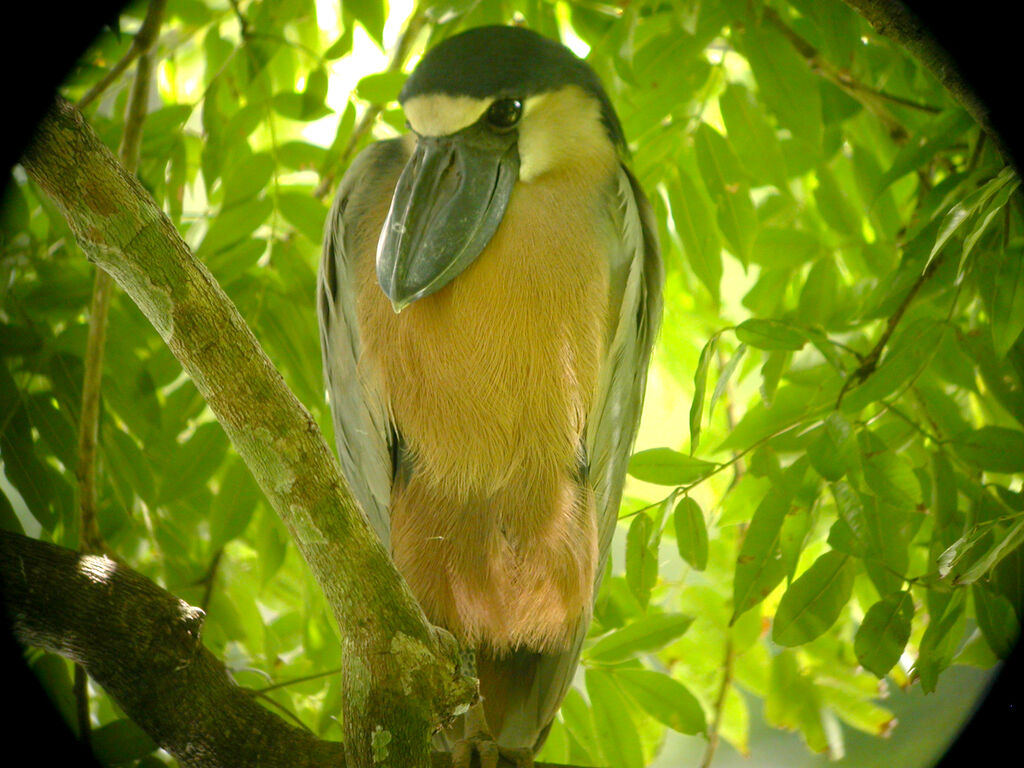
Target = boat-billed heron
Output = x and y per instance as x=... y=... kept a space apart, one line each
x=488 y=296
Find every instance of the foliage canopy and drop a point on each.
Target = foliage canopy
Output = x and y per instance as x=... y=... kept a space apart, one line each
x=840 y=506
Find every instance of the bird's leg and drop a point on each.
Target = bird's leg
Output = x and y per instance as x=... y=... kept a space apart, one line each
x=476 y=736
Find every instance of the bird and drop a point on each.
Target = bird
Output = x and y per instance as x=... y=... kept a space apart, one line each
x=488 y=296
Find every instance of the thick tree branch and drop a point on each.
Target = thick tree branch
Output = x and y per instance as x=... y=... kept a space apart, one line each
x=895 y=20
x=142 y=645
x=401 y=675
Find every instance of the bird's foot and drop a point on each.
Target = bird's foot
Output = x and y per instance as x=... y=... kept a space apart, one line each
x=489 y=753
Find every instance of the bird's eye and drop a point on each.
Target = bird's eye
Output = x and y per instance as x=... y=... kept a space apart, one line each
x=505 y=113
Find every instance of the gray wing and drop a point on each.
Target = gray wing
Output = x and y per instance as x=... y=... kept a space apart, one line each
x=362 y=430
x=635 y=311
x=636 y=283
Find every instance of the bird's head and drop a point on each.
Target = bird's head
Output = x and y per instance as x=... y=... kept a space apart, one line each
x=490 y=108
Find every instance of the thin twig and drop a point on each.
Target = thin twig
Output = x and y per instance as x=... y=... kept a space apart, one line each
x=88 y=426
x=870 y=361
x=719 y=711
x=141 y=44
x=297 y=680
x=209 y=579
x=403 y=47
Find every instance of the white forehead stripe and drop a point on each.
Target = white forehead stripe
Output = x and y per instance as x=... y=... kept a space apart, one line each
x=439 y=114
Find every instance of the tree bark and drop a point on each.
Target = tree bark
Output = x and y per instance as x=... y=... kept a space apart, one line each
x=403 y=676
x=142 y=645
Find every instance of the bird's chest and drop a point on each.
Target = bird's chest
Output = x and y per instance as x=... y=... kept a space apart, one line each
x=492 y=376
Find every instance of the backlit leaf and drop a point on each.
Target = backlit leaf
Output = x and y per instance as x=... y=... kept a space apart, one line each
x=691 y=533
x=645 y=634
x=667 y=467
x=884 y=632
x=813 y=602
x=664 y=698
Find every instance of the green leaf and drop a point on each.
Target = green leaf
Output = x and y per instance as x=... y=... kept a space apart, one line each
x=579 y=723
x=832 y=452
x=380 y=88
x=646 y=634
x=1000 y=278
x=305 y=213
x=301 y=155
x=793 y=701
x=695 y=224
x=730 y=194
x=752 y=136
x=852 y=514
x=194 y=462
x=780 y=248
x=787 y=85
x=234 y=225
x=791 y=405
x=664 y=698
x=700 y=383
x=244 y=180
x=891 y=476
x=940 y=641
x=663 y=466
x=907 y=357
x=770 y=334
x=835 y=205
x=775 y=363
x=613 y=725
x=884 y=632
x=724 y=377
x=641 y=558
x=234 y=504
x=691 y=533
x=813 y=602
x=759 y=567
x=996 y=449
x=818 y=299
x=987 y=213
x=997 y=620
x=371 y=14
x=964 y=211
x=126 y=459
x=943 y=130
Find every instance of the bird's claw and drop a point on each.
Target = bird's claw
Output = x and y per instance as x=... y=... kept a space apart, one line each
x=490 y=754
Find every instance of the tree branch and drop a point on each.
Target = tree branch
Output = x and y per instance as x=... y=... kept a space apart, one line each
x=142 y=645
x=401 y=674
x=893 y=19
